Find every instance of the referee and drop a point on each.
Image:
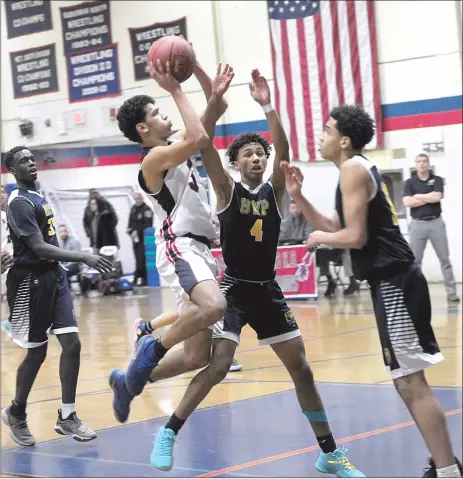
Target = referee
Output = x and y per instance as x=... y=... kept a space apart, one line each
x=423 y=193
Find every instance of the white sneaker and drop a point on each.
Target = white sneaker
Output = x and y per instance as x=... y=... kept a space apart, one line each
x=235 y=366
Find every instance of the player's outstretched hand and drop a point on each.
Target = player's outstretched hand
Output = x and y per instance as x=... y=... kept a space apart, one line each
x=98 y=262
x=259 y=88
x=163 y=75
x=222 y=80
x=293 y=178
x=6 y=261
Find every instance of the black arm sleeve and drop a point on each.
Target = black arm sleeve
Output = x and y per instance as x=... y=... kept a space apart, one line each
x=22 y=218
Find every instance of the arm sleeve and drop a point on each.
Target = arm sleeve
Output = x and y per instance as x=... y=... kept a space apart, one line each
x=439 y=185
x=22 y=218
x=408 y=190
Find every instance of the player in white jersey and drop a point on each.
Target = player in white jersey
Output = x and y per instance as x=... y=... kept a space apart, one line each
x=184 y=232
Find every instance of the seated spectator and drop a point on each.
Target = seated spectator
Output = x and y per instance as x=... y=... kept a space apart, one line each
x=295 y=229
x=73 y=269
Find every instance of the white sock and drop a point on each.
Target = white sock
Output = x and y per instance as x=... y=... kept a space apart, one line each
x=68 y=409
x=450 y=471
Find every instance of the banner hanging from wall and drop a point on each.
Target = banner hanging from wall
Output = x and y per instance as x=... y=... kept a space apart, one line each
x=294 y=268
x=34 y=71
x=86 y=26
x=24 y=18
x=93 y=75
x=143 y=37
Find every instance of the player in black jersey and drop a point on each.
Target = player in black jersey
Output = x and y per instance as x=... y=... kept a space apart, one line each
x=249 y=216
x=40 y=301
x=366 y=222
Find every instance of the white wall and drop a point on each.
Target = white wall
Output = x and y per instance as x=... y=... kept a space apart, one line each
x=419 y=54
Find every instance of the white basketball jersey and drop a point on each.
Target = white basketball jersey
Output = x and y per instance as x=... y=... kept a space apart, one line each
x=181 y=206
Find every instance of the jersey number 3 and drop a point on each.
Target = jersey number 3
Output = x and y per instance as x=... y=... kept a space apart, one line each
x=256 y=231
x=52 y=226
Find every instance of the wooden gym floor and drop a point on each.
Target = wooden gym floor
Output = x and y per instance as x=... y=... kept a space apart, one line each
x=251 y=424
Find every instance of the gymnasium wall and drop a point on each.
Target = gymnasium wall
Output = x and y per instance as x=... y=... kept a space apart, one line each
x=419 y=55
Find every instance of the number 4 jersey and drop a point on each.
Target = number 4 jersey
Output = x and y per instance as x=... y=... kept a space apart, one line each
x=249 y=230
x=28 y=213
x=386 y=251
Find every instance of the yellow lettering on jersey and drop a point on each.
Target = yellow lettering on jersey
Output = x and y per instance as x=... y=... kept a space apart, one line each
x=257 y=231
x=395 y=217
x=245 y=207
x=52 y=226
x=47 y=209
x=257 y=208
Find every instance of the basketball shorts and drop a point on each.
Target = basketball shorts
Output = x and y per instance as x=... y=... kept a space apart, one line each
x=403 y=314
x=262 y=306
x=40 y=304
x=183 y=263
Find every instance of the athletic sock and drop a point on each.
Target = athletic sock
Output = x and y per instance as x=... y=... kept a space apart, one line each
x=450 y=471
x=159 y=350
x=67 y=410
x=327 y=443
x=174 y=423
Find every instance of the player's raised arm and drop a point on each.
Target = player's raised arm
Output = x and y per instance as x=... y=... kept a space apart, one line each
x=220 y=179
x=162 y=158
x=260 y=92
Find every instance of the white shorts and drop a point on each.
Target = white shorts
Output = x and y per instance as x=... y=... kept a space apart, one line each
x=183 y=263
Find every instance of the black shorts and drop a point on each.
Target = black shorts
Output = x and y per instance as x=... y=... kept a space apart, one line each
x=40 y=304
x=403 y=313
x=262 y=306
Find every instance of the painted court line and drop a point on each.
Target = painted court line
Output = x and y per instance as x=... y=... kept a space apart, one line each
x=277 y=457
x=115 y=461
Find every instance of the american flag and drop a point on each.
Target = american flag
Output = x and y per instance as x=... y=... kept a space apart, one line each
x=324 y=55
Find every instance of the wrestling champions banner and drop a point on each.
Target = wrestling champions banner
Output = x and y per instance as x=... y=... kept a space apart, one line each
x=295 y=271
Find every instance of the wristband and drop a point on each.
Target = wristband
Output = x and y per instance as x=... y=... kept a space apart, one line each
x=267 y=108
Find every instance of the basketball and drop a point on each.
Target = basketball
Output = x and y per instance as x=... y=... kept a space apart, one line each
x=174 y=49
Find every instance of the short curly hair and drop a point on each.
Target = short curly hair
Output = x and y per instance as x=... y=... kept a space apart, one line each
x=355 y=123
x=9 y=157
x=244 y=139
x=131 y=113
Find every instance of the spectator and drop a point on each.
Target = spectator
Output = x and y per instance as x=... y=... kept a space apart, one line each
x=100 y=220
x=423 y=193
x=216 y=241
x=295 y=229
x=73 y=269
x=140 y=218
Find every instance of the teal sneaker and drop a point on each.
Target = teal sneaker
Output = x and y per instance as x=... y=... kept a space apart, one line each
x=6 y=328
x=338 y=464
x=162 y=454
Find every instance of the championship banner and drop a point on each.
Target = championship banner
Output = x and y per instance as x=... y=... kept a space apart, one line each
x=34 y=71
x=24 y=18
x=142 y=38
x=86 y=26
x=93 y=75
x=295 y=271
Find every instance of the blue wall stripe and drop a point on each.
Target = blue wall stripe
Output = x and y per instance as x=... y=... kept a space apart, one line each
x=419 y=107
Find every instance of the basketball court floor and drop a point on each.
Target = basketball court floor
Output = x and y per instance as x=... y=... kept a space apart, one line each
x=251 y=424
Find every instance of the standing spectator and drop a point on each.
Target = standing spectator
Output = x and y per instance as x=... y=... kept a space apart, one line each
x=140 y=218
x=423 y=193
x=70 y=243
x=100 y=220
